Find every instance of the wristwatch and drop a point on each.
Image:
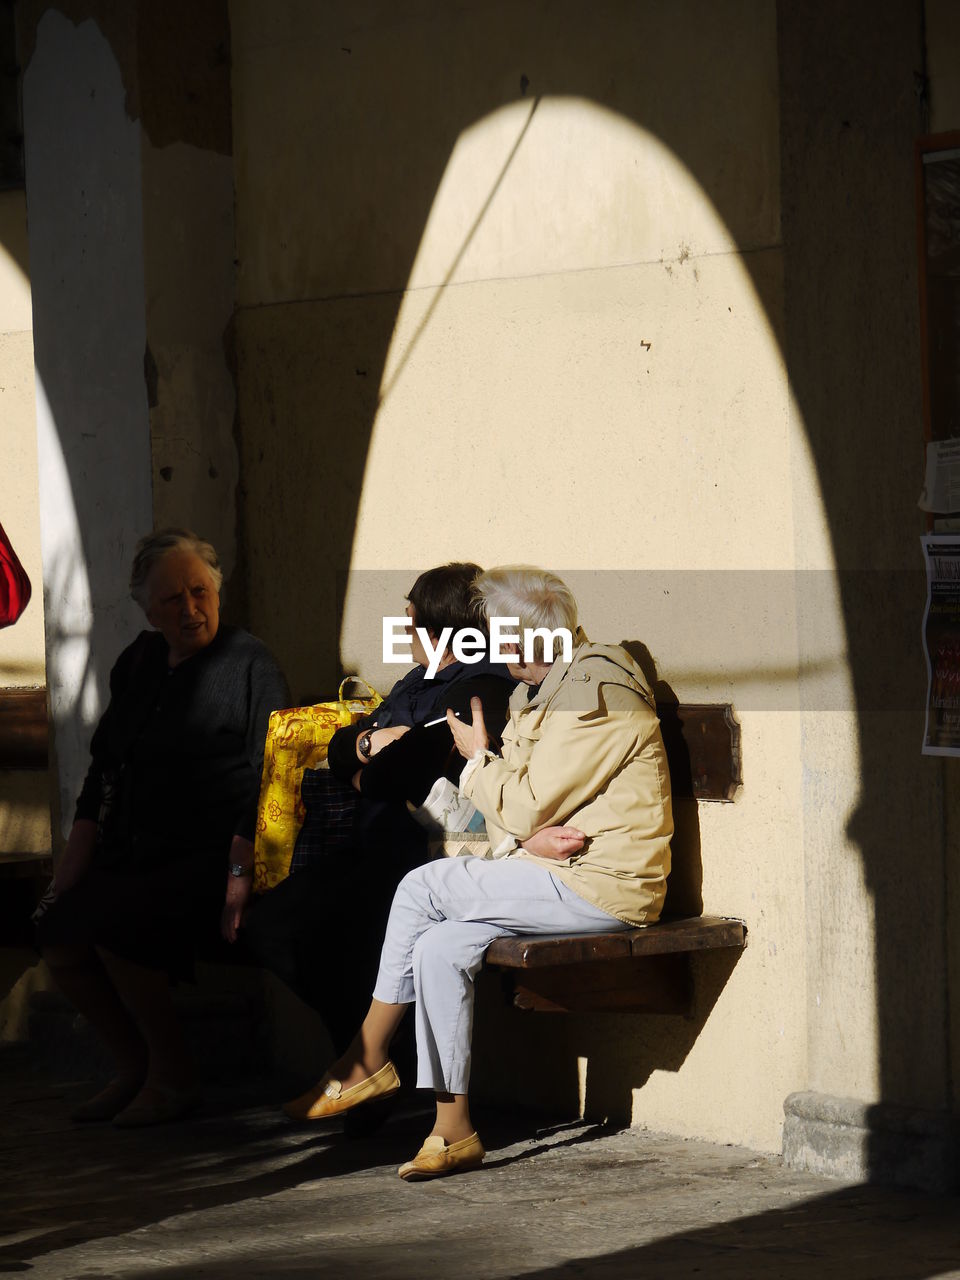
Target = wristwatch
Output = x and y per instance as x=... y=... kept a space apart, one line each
x=364 y=744
x=238 y=870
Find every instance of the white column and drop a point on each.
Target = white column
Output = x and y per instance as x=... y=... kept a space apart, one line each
x=86 y=256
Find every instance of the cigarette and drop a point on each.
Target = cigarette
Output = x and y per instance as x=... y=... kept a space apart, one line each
x=439 y=720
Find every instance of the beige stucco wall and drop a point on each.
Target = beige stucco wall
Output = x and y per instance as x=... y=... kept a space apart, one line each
x=188 y=251
x=182 y=74
x=21 y=647
x=136 y=404
x=878 y=920
x=573 y=367
x=512 y=294
x=24 y=799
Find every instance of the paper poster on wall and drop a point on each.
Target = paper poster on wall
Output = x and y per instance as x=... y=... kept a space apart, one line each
x=941 y=485
x=941 y=644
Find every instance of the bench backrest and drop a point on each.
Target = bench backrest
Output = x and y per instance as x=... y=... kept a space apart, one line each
x=23 y=728
x=703 y=749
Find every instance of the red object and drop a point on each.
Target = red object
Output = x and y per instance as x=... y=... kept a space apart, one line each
x=14 y=583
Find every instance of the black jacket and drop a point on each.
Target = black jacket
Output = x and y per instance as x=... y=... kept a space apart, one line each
x=178 y=752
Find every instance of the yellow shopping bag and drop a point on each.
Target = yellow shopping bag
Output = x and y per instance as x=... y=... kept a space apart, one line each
x=297 y=739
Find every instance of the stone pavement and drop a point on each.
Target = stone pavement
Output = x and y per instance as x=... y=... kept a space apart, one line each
x=239 y=1192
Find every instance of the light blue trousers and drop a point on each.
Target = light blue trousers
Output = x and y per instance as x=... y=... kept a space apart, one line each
x=444 y=916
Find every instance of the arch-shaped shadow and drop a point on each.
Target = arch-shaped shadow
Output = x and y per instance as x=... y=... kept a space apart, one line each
x=614 y=56
x=823 y=218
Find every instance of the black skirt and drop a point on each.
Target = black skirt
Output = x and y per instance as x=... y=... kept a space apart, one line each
x=156 y=916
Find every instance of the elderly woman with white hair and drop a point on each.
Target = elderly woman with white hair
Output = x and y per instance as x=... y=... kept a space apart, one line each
x=161 y=848
x=581 y=752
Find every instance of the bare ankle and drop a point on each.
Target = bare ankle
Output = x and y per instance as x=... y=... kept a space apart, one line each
x=350 y=1070
x=453 y=1122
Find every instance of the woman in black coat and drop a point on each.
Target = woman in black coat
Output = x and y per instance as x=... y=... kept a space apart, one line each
x=321 y=929
x=161 y=847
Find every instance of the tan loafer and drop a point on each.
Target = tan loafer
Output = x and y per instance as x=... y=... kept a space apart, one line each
x=329 y=1098
x=437 y=1158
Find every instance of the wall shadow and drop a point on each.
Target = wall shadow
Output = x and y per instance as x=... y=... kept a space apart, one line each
x=219 y=1161
x=844 y=152
x=849 y=115
x=622 y=1050
x=685 y=883
x=75 y=1186
x=847 y=232
x=657 y=1043
x=838 y=1234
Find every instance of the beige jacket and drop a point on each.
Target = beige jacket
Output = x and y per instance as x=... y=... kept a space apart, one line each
x=586 y=752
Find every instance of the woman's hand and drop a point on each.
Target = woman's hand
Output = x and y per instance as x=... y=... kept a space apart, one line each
x=471 y=739
x=76 y=857
x=239 y=889
x=557 y=843
x=72 y=865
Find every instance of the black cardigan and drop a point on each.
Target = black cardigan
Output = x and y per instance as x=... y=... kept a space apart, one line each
x=178 y=753
x=408 y=768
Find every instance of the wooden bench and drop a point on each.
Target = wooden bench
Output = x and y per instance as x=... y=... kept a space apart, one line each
x=23 y=748
x=23 y=729
x=646 y=970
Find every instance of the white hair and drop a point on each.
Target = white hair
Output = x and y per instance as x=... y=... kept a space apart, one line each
x=538 y=598
x=158 y=544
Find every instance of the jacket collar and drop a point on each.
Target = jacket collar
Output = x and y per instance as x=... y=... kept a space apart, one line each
x=553 y=679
